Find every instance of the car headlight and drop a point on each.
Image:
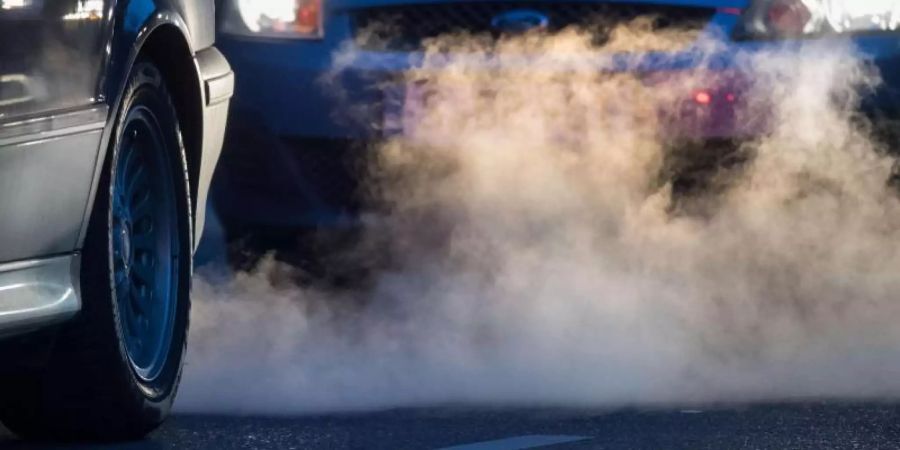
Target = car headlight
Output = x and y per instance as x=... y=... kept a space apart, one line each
x=292 y=19
x=800 y=18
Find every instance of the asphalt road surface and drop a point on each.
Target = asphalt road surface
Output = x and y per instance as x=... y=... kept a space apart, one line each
x=776 y=426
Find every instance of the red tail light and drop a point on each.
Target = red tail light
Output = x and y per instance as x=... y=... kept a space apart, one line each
x=788 y=17
x=309 y=16
x=731 y=11
x=703 y=98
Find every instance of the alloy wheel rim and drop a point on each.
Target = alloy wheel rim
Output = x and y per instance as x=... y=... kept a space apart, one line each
x=145 y=244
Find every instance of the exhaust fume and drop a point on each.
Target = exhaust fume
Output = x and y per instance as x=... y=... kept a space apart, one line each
x=530 y=247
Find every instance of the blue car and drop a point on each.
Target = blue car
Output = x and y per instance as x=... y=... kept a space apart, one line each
x=290 y=156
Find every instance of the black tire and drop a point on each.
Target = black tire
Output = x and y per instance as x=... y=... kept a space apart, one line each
x=91 y=389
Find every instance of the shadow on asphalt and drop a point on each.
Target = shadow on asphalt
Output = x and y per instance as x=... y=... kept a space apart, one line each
x=811 y=425
x=8 y=442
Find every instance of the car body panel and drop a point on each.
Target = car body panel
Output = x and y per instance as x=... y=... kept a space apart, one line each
x=36 y=293
x=289 y=98
x=217 y=86
x=54 y=140
x=44 y=184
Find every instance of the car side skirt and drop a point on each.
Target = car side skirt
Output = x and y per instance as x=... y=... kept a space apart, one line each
x=38 y=293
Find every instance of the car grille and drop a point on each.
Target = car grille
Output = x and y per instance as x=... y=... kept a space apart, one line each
x=406 y=27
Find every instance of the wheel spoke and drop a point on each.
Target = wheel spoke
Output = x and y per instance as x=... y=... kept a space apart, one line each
x=120 y=171
x=135 y=180
x=144 y=266
x=140 y=203
x=131 y=315
x=143 y=241
x=125 y=166
x=137 y=298
x=143 y=226
x=121 y=282
x=145 y=297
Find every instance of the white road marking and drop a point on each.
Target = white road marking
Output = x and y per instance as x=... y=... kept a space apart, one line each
x=519 y=442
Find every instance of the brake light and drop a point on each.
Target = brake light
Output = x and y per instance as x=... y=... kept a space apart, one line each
x=788 y=17
x=702 y=98
x=308 y=16
x=288 y=19
x=731 y=11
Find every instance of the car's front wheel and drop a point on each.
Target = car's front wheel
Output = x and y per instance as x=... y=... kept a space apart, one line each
x=114 y=370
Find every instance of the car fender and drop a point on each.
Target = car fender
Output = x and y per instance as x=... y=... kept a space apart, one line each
x=131 y=24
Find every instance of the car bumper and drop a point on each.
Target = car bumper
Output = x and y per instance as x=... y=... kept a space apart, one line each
x=287 y=182
x=217 y=85
x=38 y=293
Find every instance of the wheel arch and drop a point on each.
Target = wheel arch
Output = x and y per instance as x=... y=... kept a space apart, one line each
x=169 y=50
x=165 y=39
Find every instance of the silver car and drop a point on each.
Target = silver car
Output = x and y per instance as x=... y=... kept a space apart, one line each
x=112 y=114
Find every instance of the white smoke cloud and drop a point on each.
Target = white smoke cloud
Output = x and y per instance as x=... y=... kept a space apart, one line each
x=535 y=255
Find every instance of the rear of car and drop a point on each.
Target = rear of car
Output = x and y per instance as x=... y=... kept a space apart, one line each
x=288 y=162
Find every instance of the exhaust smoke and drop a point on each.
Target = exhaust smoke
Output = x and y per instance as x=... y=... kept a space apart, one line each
x=535 y=244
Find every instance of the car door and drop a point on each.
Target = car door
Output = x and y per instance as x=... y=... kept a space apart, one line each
x=51 y=121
